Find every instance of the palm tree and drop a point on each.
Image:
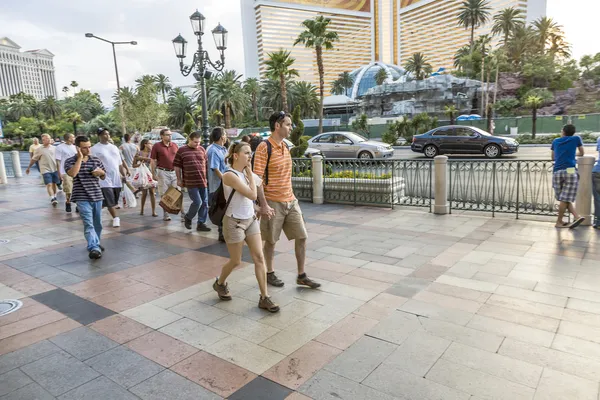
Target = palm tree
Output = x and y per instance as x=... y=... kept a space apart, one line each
x=305 y=96
x=74 y=85
x=279 y=67
x=462 y=58
x=75 y=118
x=473 y=14
x=318 y=37
x=163 y=85
x=381 y=76
x=482 y=44
x=20 y=108
x=520 y=43
x=127 y=97
x=450 y=111
x=50 y=107
x=544 y=27
x=179 y=105
x=506 y=21
x=341 y=85
x=337 y=88
x=559 y=46
x=418 y=65
x=252 y=89
x=226 y=94
x=271 y=95
x=146 y=81
x=535 y=99
x=65 y=90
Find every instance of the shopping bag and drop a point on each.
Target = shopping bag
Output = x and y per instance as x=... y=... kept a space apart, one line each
x=129 y=200
x=142 y=178
x=172 y=200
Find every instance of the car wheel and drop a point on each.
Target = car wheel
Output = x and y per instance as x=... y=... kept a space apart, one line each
x=492 y=151
x=365 y=155
x=430 y=151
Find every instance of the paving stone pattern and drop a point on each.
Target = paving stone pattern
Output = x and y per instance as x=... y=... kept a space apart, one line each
x=412 y=306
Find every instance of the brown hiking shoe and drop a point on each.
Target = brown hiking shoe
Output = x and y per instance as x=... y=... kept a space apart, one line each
x=273 y=280
x=267 y=304
x=306 y=281
x=222 y=290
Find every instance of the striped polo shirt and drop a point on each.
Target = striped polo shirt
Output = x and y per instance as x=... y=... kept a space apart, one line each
x=193 y=164
x=280 y=171
x=86 y=187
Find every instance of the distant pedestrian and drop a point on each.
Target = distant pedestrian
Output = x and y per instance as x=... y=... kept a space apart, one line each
x=245 y=139
x=143 y=157
x=162 y=155
x=115 y=167
x=240 y=224
x=46 y=156
x=34 y=146
x=63 y=152
x=596 y=186
x=216 y=165
x=86 y=171
x=190 y=167
x=279 y=208
x=565 y=178
x=128 y=152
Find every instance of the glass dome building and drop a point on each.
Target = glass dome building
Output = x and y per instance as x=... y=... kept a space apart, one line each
x=364 y=77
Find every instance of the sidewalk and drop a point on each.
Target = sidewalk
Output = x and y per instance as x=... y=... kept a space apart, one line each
x=413 y=306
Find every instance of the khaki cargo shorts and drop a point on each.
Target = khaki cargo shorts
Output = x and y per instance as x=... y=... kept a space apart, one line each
x=288 y=217
x=67 y=184
x=237 y=230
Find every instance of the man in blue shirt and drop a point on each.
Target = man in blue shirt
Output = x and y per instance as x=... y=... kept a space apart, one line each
x=216 y=165
x=565 y=178
x=596 y=185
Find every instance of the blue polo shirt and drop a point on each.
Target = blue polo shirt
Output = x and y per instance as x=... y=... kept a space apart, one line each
x=216 y=161
x=565 y=149
x=597 y=165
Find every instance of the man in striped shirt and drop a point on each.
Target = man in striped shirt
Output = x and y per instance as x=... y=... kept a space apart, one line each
x=279 y=207
x=86 y=171
x=190 y=166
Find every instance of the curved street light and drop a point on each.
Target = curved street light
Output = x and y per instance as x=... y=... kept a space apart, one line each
x=201 y=60
x=133 y=43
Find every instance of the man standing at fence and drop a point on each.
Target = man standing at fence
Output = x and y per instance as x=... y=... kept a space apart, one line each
x=565 y=179
x=46 y=156
x=162 y=156
x=279 y=207
x=216 y=165
x=190 y=166
x=63 y=151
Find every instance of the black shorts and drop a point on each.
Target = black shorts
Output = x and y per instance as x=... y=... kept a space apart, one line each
x=111 y=197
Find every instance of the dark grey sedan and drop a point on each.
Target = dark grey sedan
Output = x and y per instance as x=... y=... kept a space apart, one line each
x=458 y=139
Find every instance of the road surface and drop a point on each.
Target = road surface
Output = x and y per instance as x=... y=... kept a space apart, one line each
x=525 y=153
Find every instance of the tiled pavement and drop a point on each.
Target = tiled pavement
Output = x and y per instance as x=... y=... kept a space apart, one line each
x=413 y=306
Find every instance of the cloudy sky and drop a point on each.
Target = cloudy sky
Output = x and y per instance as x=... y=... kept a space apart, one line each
x=59 y=26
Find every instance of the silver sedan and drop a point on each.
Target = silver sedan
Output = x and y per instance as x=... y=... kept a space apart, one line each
x=349 y=145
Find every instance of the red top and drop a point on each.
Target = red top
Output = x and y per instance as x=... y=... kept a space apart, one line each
x=164 y=155
x=193 y=163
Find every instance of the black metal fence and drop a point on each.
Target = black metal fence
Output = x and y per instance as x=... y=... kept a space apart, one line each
x=519 y=187
x=302 y=182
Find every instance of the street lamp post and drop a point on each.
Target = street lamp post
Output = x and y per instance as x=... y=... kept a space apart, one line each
x=201 y=61
x=133 y=43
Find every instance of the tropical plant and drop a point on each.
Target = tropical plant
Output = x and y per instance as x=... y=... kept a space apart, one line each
x=506 y=21
x=317 y=36
x=450 y=110
x=535 y=99
x=279 y=67
x=163 y=85
x=341 y=85
x=179 y=106
x=147 y=81
x=381 y=76
x=101 y=121
x=85 y=103
x=65 y=90
x=190 y=125
x=361 y=126
x=215 y=117
x=418 y=65
x=50 y=107
x=19 y=109
x=473 y=14
x=74 y=85
x=544 y=28
x=520 y=44
x=271 y=95
x=297 y=135
x=226 y=94
x=252 y=89
x=305 y=96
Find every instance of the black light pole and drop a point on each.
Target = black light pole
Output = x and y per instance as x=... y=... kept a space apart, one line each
x=201 y=61
x=133 y=42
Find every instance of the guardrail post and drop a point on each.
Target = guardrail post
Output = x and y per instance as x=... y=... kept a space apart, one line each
x=16 y=163
x=317 y=179
x=583 y=201
x=441 y=185
x=3 y=178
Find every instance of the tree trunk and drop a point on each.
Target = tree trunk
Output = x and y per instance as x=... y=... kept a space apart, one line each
x=496 y=84
x=319 y=51
x=283 y=93
x=75 y=128
x=481 y=106
x=255 y=106
x=452 y=118
x=164 y=98
x=487 y=100
x=227 y=117
x=533 y=123
x=472 y=37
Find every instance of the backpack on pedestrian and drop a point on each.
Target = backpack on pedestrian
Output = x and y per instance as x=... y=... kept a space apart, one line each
x=218 y=205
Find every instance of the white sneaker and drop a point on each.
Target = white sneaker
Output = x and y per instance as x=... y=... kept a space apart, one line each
x=116 y=222
x=182 y=217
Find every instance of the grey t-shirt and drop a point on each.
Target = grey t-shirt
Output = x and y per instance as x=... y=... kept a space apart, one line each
x=129 y=151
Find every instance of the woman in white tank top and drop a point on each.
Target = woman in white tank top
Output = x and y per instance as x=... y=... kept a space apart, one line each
x=240 y=223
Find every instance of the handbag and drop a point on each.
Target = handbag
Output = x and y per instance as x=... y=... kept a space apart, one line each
x=172 y=200
x=218 y=205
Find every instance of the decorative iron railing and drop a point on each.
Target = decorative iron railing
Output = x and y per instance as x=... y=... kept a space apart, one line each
x=302 y=181
x=520 y=187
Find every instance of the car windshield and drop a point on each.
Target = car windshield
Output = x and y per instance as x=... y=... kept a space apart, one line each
x=355 y=137
x=481 y=131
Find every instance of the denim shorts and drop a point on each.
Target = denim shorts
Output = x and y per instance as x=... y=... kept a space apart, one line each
x=51 y=177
